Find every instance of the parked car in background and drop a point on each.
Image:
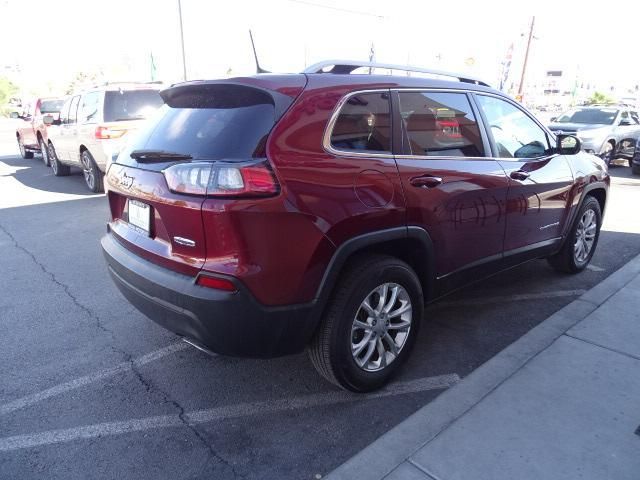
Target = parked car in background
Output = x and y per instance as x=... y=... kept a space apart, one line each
x=258 y=216
x=94 y=124
x=609 y=131
x=32 y=134
x=635 y=161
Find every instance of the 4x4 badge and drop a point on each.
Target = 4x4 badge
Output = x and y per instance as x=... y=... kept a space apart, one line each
x=126 y=181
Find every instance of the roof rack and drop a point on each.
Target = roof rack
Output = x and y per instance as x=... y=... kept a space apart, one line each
x=348 y=66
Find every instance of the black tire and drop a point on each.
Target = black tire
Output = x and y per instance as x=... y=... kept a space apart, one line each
x=567 y=260
x=331 y=348
x=608 y=153
x=635 y=168
x=59 y=170
x=24 y=153
x=43 y=151
x=93 y=177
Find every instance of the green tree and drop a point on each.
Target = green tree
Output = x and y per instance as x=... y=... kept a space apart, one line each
x=82 y=80
x=7 y=90
x=599 y=97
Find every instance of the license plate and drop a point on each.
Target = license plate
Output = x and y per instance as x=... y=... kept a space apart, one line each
x=139 y=215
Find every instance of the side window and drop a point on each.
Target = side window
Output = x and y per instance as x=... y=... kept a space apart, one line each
x=515 y=133
x=64 y=112
x=364 y=124
x=440 y=124
x=634 y=117
x=89 y=107
x=73 y=109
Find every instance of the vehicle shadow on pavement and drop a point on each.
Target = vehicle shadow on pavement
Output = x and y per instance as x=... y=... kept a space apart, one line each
x=33 y=173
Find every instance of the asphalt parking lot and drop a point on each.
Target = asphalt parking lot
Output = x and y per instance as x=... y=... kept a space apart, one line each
x=90 y=388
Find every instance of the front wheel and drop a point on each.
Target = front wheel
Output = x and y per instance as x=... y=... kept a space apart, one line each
x=635 y=168
x=580 y=245
x=607 y=153
x=59 y=169
x=44 y=151
x=92 y=174
x=370 y=325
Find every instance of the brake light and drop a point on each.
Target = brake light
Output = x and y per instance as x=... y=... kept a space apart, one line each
x=216 y=283
x=222 y=179
x=104 y=133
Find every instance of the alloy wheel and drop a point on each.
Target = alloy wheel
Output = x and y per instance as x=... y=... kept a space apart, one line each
x=45 y=153
x=53 y=159
x=381 y=327
x=87 y=171
x=23 y=151
x=585 y=236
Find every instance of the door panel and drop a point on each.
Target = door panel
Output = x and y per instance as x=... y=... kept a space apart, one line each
x=451 y=189
x=540 y=181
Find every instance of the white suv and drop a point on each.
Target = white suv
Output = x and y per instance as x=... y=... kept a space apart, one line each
x=93 y=126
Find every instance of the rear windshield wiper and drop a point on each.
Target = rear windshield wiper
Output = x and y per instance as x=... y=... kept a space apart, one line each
x=158 y=155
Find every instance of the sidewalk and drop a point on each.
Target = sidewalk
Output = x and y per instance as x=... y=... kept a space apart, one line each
x=563 y=402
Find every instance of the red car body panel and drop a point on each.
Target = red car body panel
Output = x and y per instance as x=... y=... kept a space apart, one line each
x=34 y=126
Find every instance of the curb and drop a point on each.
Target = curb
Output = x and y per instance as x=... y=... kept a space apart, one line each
x=394 y=447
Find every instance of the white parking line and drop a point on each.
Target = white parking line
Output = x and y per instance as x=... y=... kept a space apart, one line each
x=219 y=413
x=91 y=378
x=509 y=298
x=595 y=268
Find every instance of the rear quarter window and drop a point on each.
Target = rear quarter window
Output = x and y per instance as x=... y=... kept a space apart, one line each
x=363 y=124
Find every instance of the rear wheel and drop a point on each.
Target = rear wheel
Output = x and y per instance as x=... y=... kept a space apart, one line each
x=59 y=170
x=23 y=151
x=581 y=243
x=92 y=174
x=43 y=151
x=370 y=325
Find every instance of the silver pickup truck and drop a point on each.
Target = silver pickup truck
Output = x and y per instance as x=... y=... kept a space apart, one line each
x=609 y=131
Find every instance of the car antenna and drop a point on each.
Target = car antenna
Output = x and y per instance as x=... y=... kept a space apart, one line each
x=259 y=69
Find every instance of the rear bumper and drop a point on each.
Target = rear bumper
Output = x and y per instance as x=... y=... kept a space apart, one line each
x=232 y=324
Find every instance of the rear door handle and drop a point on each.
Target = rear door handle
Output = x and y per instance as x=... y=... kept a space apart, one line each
x=425 y=181
x=519 y=175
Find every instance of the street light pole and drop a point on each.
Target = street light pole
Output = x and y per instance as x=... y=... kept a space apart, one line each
x=184 y=59
x=526 y=58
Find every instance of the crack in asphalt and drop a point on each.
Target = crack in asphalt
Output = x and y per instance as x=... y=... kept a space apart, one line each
x=149 y=386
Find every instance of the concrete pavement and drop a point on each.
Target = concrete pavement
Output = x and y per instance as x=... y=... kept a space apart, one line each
x=563 y=402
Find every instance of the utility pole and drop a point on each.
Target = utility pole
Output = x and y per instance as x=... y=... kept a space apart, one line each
x=526 y=57
x=184 y=59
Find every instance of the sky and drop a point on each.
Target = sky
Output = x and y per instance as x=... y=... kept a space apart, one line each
x=45 y=43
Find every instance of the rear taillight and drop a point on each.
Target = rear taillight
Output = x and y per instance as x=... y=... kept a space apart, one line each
x=222 y=180
x=104 y=133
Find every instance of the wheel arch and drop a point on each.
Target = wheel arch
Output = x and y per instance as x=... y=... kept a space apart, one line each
x=412 y=245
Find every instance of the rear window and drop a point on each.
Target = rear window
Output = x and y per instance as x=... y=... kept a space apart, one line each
x=222 y=122
x=51 y=106
x=130 y=104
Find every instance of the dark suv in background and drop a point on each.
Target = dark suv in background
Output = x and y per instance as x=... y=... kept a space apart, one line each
x=258 y=216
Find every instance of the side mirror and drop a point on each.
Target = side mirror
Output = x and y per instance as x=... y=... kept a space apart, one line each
x=47 y=120
x=553 y=119
x=568 y=145
x=14 y=115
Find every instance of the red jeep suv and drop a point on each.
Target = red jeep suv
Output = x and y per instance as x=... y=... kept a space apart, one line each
x=258 y=216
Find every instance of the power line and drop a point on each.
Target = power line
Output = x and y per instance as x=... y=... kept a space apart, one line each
x=320 y=5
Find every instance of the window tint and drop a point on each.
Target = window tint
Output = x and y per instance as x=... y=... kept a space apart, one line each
x=64 y=112
x=364 y=124
x=219 y=122
x=89 y=107
x=130 y=105
x=51 y=106
x=516 y=135
x=440 y=124
x=73 y=110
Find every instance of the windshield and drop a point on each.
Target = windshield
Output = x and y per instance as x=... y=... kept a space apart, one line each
x=130 y=105
x=51 y=106
x=230 y=123
x=604 y=116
